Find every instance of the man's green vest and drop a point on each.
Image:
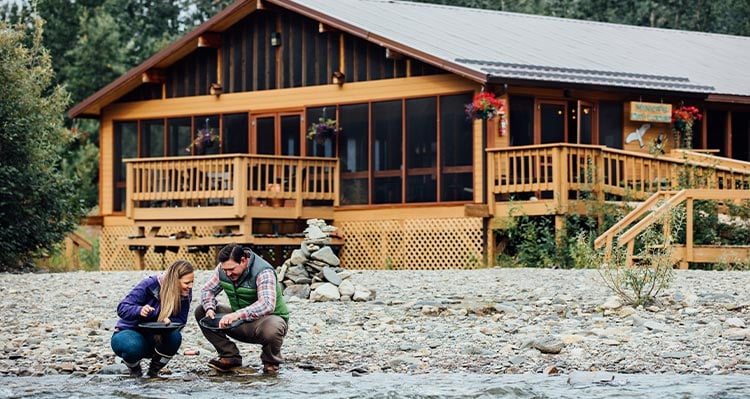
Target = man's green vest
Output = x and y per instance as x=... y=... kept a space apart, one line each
x=244 y=292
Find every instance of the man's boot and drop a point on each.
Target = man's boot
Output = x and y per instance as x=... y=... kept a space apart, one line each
x=158 y=361
x=134 y=369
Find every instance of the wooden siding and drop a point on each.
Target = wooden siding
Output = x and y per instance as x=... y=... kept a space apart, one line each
x=264 y=101
x=306 y=57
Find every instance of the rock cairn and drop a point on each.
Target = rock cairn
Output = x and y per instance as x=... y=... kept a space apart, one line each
x=313 y=271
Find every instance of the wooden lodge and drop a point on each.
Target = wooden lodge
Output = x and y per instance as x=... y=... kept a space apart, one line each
x=207 y=142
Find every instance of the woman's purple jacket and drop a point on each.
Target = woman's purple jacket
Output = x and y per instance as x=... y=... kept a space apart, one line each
x=147 y=293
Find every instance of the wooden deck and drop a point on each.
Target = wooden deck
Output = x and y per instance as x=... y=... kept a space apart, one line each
x=244 y=198
x=229 y=194
x=549 y=180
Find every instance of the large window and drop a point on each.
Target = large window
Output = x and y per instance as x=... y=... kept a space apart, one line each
x=421 y=150
x=234 y=135
x=456 y=150
x=521 y=120
x=353 y=153
x=202 y=126
x=124 y=148
x=406 y=151
x=179 y=136
x=387 y=152
x=610 y=124
x=325 y=148
x=152 y=138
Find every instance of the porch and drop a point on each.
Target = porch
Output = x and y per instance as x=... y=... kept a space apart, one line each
x=552 y=179
x=238 y=198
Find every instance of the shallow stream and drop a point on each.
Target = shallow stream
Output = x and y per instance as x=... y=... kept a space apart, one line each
x=303 y=384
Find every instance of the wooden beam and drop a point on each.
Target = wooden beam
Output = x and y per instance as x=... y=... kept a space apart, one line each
x=153 y=76
x=393 y=54
x=323 y=28
x=209 y=40
x=476 y=210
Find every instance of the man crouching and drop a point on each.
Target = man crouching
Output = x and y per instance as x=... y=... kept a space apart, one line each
x=258 y=313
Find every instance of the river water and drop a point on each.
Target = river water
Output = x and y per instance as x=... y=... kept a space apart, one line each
x=304 y=384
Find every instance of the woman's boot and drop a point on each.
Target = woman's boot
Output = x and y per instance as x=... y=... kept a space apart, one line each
x=158 y=361
x=134 y=369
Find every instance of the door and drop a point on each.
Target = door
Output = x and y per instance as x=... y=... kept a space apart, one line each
x=279 y=134
x=552 y=121
x=585 y=123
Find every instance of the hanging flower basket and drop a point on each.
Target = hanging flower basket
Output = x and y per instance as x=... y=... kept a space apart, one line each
x=323 y=130
x=683 y=119
x=204 y=138
x=484 y=106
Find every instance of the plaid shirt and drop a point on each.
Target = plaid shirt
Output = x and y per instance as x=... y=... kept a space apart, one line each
x=265 y=304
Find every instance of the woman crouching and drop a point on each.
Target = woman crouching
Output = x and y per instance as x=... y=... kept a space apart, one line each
x=158 y=298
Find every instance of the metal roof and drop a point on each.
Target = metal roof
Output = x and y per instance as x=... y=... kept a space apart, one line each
x=496 y=47
x=504 y=45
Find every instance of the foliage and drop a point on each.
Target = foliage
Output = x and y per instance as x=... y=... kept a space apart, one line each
x=57 y=261
x=324 y=128
x=38 y=203
x=484 y=106
x=81 y=163
x=204 y=138
x=530 y=241
x=652 y=270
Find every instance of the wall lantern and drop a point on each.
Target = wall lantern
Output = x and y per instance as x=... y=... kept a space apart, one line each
x=276 y=39
x=216 y=89
x=338 y=78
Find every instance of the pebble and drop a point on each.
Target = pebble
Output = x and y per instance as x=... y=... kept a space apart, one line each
x=488 y=321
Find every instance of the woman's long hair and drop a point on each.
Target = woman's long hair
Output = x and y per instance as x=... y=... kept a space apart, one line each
x=169 y=294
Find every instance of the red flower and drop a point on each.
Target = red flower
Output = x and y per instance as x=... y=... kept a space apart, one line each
x=682 y=124
x=686 y=114
x=484 y=106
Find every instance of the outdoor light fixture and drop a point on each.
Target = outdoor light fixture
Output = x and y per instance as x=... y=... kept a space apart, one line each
x=338 y=78
x=216 y=89
x=276 y=39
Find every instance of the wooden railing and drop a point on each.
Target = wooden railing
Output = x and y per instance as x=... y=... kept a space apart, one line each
x=656 y=208
x=559 y=169
x=223 y=186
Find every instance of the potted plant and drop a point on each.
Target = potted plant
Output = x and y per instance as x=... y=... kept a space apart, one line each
x=484 y=106
x=683 y=119
x=204 y=138
x=323 y=130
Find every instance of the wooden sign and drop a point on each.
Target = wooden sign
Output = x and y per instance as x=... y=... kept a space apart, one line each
x=650 y=112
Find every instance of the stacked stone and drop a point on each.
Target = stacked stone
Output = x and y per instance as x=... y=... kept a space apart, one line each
x=313 y=271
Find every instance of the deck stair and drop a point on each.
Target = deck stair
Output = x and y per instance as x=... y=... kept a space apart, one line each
x=654 y=209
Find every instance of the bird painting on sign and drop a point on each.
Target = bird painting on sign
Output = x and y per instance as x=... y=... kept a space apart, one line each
x=638 y=134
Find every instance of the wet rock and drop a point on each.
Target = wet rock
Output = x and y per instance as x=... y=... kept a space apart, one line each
x=552 y=345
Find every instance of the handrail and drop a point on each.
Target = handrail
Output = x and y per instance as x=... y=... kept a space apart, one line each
x=227 y=182
x=687 y=195
x=561 y=168
x=647 y=221
x=608 y=236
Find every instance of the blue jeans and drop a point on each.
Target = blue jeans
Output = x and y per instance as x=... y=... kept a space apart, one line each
x=134 y=345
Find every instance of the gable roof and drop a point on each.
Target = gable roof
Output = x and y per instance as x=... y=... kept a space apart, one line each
x=502 y=47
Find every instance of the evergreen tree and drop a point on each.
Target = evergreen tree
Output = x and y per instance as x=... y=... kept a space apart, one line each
x=38 y=203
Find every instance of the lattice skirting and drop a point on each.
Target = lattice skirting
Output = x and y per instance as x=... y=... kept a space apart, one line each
x=115 y=255
x=422 y=244
x=416 y=244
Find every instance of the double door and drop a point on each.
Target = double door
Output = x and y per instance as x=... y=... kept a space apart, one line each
x=277 y=134
x=565 y=122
